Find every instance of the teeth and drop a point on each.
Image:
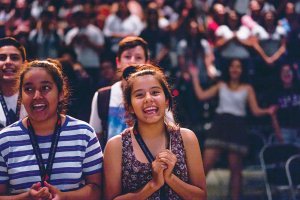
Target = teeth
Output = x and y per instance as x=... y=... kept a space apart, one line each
x=39 y=106
x=8 y=70
x=150 y=110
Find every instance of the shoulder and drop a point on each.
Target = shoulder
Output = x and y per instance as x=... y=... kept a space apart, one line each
x=104 y=89
x=188 y=136
x=72 y=123
x=114 y=145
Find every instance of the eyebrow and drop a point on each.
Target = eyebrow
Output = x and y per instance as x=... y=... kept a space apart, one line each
x=155 y=87
x=43 y=82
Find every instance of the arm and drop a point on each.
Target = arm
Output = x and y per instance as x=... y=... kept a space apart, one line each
x=200 y=93
x=261 y=52
x=256 y=110
x=196 y=188
x=280 y=51
x=276 y=128
x=112 y=174
x=220 y=42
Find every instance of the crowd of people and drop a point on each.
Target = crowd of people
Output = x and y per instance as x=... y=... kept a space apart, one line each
x=88 y=71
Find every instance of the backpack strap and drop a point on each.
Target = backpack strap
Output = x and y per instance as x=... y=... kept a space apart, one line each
x=103 y=107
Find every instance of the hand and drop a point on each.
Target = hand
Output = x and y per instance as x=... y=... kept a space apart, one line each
x=37 y=192
x=272 y=110
x=170 y=159
x=158 y=168
x=194 y=71
x=269 y=60
x=56 y=193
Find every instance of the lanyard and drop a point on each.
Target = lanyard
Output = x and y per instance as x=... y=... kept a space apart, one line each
x=149 y=156
x=45 y=172
x=11 y=117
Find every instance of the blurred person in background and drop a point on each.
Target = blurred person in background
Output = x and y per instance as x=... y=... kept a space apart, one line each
x=228 y=132
x=12 y=57
x=157 y=38
x=286 y=97
x=120 y=24
x=87 y=40
x=46 y=40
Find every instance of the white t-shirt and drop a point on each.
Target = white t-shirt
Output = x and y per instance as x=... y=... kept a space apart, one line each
x=11 y=103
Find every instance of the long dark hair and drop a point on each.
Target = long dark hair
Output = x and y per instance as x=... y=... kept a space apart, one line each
x=226 y=75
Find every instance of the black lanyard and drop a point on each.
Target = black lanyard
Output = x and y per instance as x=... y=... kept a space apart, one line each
x=45 y=172
x=11 y=117
x=149 y=156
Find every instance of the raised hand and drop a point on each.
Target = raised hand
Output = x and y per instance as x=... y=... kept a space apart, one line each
x=158 y=168
x=170 y=159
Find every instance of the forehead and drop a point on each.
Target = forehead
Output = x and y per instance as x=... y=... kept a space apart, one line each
x=37 y=75
x=145 y=82
x=9 y=50
x=137 y=50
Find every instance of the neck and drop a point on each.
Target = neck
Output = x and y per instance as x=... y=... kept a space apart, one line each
x=151 y=131
x=8 y=88
x=44 y=128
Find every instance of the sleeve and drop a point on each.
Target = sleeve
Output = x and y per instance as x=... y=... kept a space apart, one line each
x=95 y=120
x=93 y=160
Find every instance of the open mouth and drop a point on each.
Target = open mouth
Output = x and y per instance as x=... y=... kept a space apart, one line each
x=39 y=107
x=150 y=110
x=9 y=71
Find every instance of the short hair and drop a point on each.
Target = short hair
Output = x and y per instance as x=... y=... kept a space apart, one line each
x=10 y=41
x=131 y=42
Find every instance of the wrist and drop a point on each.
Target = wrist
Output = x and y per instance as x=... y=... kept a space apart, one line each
x=154 y=186
x=169 y=178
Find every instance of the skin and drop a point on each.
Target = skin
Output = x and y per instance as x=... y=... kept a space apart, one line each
x=149 y=103
x=131 y=56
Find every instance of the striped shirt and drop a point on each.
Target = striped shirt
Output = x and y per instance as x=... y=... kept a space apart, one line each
x=78 y=155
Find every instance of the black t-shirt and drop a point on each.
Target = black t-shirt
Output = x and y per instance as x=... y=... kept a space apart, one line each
x=288 y=102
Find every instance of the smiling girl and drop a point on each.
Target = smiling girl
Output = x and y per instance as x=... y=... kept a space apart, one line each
x=153 y=158
x=48 y=154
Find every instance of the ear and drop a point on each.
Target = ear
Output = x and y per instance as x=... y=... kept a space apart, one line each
x=130 y=109
x=118 y=63
x=61 y=96
x=167 y=103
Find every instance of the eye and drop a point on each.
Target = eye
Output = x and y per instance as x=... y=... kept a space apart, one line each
x=3 y=57
x=46 y=88
x=155 y=92
x=28 y=90
x=15 y=57
x=139 y=94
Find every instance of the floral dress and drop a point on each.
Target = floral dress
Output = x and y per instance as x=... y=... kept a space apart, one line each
x=135 y=174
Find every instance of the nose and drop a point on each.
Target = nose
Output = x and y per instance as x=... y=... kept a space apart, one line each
x=132 y=60
x=148 y=97
x=37 y=94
